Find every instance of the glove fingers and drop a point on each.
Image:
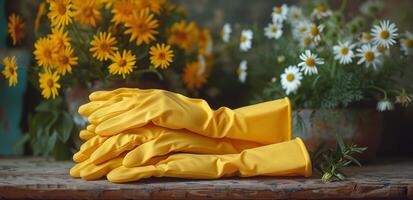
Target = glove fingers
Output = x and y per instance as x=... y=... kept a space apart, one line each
x=75 y=170
x=86 y=135
x=105 y=95
x=88 y=148
x=123 y=174
x=93 y=172
x=113 y=109
x=114 y=146
x=89 y=108
x=180 y=141
x=123 y=121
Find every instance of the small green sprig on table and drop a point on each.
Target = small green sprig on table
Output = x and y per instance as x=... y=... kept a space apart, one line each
x=330 y=161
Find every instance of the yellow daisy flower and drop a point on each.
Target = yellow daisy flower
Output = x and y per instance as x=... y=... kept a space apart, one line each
x=10 y=70
x=183 y=35
x=60 y=37
x=122 y=10
x=40 y=12
x=44 y=52
x=49 y=84
x=16 y=28
x=60 y=12
x=65 y=60
x=154 y=6
x=194 y=76
x=87 y=12
x=122 y=64
x=161 y=55
x=103 y=46
x=142 y=27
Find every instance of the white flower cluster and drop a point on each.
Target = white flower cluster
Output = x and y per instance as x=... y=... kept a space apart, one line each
x=309 y=32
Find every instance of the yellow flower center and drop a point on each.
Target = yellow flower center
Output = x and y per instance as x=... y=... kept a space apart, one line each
x=243 y=38
x=88 y=12
x=122 y=63
x=104 y=46
x=290 y=77
x=307 y=41
x=384 y=34
x=310 y=62
x=369 y=56
x=278 y=10
x=302 y=29
x=182 y=36
x=321 y=8
x=367 y=36
x=11 y=70
x=61 y=8
x=408 y=42
x=314 y=31
x=162 y=56
x=382 y=49
x=50 y=83
x=344 y=51
x=274 y=29
x=64 y=60
x=47 y=53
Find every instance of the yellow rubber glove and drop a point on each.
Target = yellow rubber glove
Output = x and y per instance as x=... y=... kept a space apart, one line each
x=89 y=171
x=151 y=141
x=283 y=159
x=88 y=148
x=265 y=123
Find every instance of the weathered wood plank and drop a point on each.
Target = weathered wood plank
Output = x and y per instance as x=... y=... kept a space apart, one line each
x=36 y=178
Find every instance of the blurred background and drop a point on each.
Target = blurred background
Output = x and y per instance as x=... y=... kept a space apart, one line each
x=223 y=88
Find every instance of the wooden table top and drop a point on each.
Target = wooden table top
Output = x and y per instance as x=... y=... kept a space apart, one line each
x=40 y=179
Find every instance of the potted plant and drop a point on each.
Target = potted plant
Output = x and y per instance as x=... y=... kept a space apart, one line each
x=339 y=71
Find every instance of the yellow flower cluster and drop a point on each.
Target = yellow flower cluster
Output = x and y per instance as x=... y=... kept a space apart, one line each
x=116 y=34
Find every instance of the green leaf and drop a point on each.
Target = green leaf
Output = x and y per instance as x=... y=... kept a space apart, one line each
x=340 y=143
x=51 y=142
x=64 y=126
x=352 y=159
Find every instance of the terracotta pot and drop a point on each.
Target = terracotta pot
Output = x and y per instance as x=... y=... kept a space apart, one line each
x=361 y=126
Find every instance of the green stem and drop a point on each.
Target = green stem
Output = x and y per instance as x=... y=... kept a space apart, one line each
x=380 y=90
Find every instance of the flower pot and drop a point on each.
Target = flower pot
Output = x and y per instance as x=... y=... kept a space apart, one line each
x=361 y=126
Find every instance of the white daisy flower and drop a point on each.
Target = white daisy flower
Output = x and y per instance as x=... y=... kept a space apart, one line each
x=273 y=80
x=242 y=71
x=246 y=40
x=370 y=8
x=344 y=52
x=310 y=62
x=295 y=14
x=369 y=55
x=321 y=11
x=306 y=42
x=226 y=32
x=273 y=30
x=383 y=50
x=315 y=32
x=291 y=79
x=384 y=105
x=279 y=13
x=301 y=28
x=385 y=33
x=365 y=38
x=406 y=43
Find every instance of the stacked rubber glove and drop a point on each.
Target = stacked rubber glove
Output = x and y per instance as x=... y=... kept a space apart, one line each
x=135 y=134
